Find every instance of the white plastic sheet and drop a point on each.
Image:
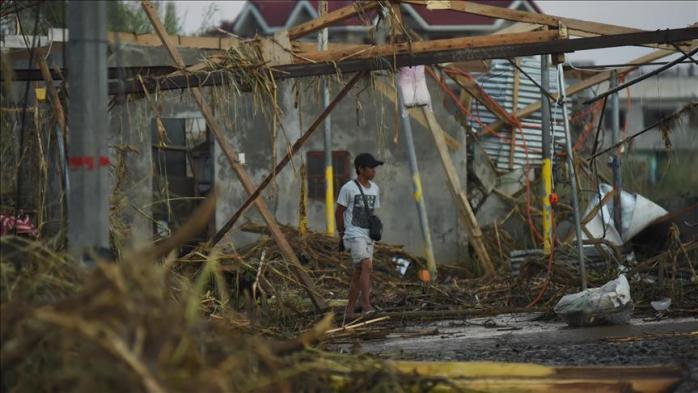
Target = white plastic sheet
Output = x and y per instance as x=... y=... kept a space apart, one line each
x=638 y=213
x=610 y=303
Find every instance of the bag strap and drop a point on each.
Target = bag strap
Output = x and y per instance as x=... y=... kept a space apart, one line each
x=363 y=196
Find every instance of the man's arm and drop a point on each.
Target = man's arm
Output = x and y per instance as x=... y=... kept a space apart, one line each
x=339 y=219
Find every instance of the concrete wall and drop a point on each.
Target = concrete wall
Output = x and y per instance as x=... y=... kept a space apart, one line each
x=363 y=122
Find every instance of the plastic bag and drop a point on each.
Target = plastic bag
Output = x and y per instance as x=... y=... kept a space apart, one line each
x=413 y=87
x=609 y=304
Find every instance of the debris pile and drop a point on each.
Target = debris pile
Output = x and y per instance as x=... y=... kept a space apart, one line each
x=137 y=325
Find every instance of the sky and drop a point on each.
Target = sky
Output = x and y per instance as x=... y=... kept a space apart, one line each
x=646 y=14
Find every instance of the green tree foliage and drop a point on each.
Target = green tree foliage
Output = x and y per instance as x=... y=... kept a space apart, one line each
x=171 y=21
x=128 y=16
x=122 y=15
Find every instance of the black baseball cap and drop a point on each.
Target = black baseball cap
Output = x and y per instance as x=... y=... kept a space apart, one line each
x=367 y=160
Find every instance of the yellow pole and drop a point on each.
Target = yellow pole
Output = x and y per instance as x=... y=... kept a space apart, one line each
x=547 y=209
x=329 y=177
x=547 y=170
x=329 y=200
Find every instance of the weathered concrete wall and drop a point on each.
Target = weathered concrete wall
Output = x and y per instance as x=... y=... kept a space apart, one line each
x=363 y=122
x=369 y=128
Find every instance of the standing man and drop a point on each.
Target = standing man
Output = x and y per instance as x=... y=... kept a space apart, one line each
x=352 y=217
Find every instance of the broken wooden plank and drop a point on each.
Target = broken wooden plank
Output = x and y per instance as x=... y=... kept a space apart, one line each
x=390 y=62
x=331 y=18
x=469 y=84
x=222 y=43
x=574 y=26
x=242 y=174
x=370 y=51
x=277 y=50
x=461 y=199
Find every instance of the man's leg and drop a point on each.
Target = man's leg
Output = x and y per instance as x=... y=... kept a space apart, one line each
x=353 y=292
x=365 y=283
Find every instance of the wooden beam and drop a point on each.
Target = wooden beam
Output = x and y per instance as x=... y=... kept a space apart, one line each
x=245 y=179
x=222 y=43
x=254 y=195
x=371 y=51
x=514 y=108
x=574 y=26
x=389 y=62
x=587 y=83
x=470 y=85
x=331 y=18
x=459 y=196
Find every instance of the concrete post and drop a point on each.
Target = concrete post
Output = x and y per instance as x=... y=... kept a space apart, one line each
x=88 y=223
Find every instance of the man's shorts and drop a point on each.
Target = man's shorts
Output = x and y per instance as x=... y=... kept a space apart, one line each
x=360 y=247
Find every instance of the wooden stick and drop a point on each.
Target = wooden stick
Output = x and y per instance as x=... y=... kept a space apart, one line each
x=254 y=194
x=356 y=325
x=574 y=26
x=331 y=18
x=371 y=51
x=55 y=100
x=514 y=108
x=461 y=200
x=222 y=43
x=242 y=174
x=474 y=89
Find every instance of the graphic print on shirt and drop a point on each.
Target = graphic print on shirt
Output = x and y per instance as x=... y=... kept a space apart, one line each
x=360 y=213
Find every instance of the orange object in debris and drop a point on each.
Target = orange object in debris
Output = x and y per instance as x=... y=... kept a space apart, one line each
x=554 y=199
x=424 y=275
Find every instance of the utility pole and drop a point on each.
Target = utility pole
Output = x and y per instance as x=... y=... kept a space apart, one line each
x=573 y=174
x=547 y=171
x=417 y=183
x=323 y=37
x=88 y=158
x=615 y=163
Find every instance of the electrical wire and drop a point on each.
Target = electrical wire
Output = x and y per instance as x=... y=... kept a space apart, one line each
x=550 y=96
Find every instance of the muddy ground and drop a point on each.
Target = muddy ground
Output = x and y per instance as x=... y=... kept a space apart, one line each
x=519 y=338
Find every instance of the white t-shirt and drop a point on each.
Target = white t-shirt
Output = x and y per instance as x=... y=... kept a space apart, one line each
x=356 y=215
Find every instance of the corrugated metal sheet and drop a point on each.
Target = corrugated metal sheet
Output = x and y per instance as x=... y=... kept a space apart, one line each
x=499 y=84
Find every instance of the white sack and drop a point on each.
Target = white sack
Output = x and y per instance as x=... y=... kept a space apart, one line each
x=413 y=86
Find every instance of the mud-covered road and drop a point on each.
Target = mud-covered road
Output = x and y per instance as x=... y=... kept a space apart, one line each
x=516 y=338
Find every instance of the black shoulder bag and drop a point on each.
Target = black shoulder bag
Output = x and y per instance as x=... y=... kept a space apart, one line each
x=375 y=226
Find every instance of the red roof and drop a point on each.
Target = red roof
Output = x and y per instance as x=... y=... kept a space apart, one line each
x=277 y=12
